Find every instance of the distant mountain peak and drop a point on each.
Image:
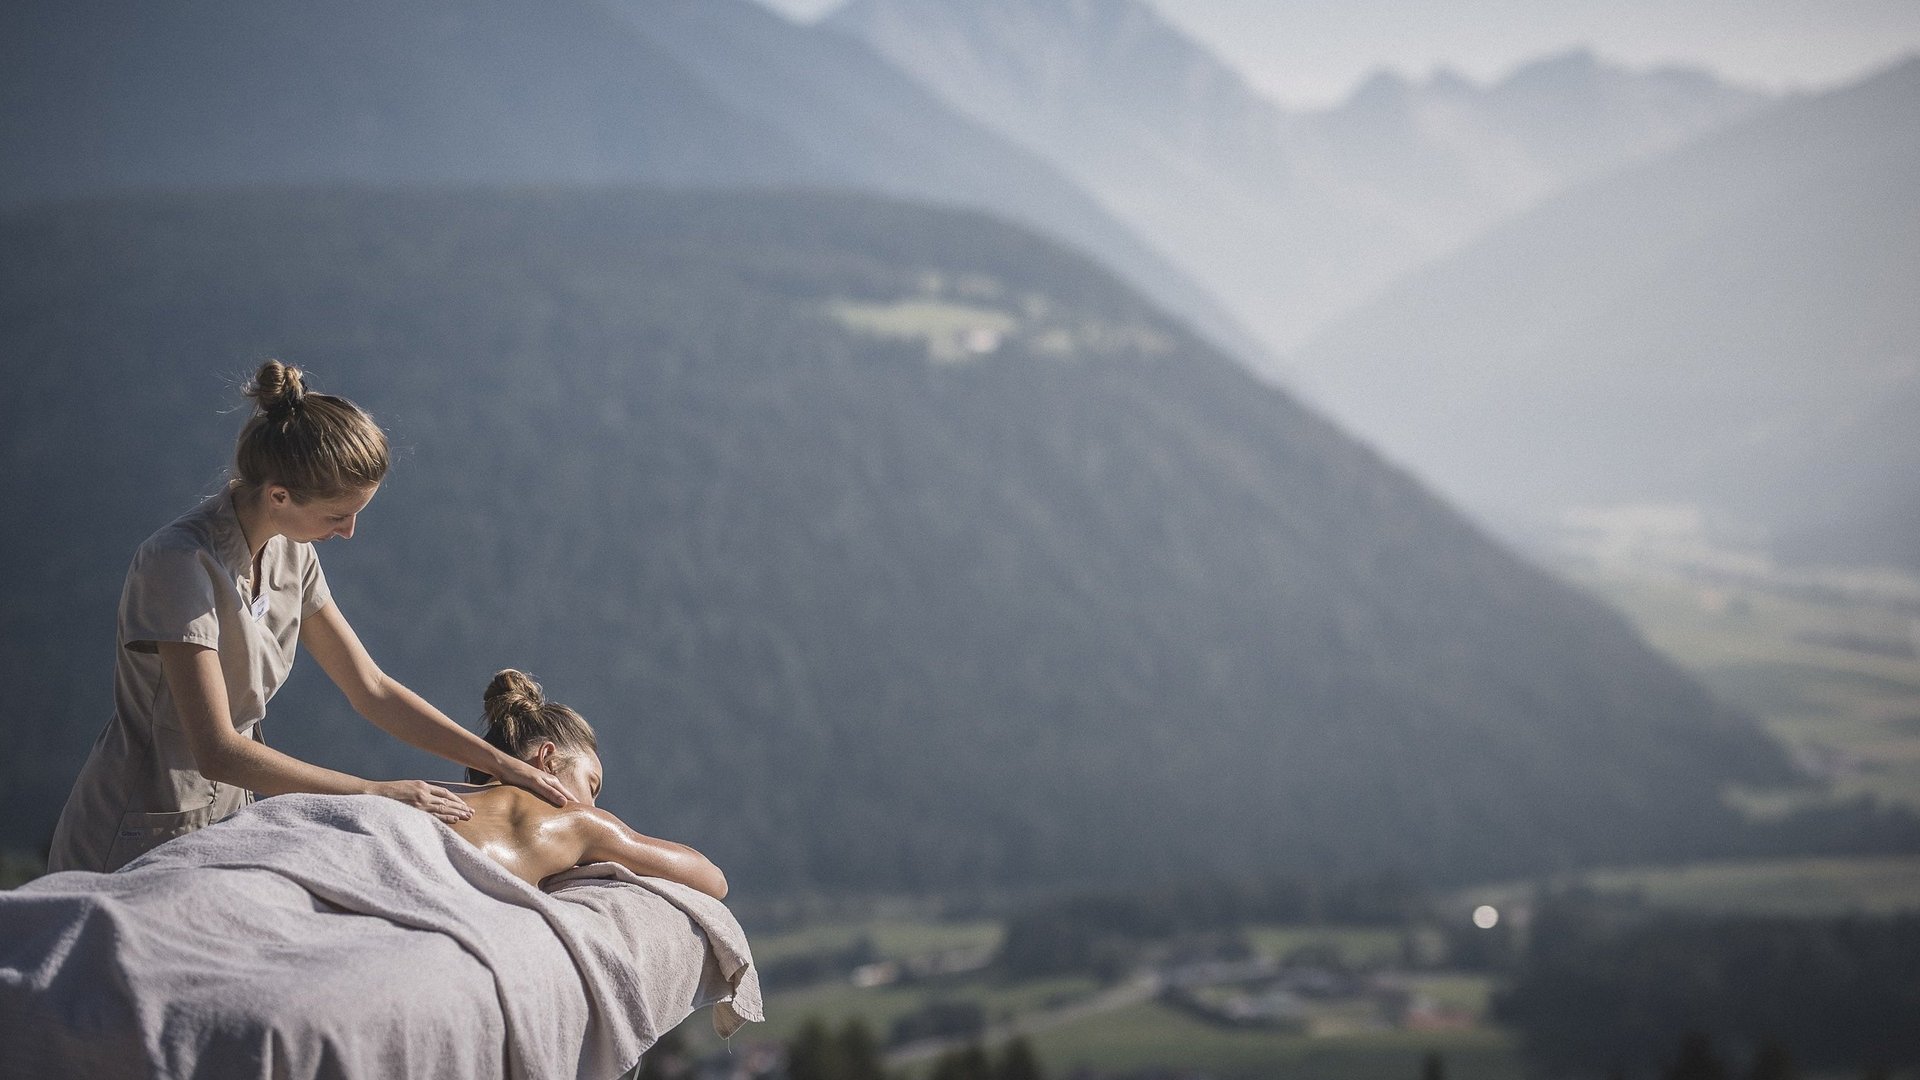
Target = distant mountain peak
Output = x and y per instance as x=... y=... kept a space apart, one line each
x=1076 y=80
x=1573 y=60
x=1384 y=89
x=1085 y=36
x=1447 y=81
x=1292 y=216
x=1754 y=274
x=1581 y=68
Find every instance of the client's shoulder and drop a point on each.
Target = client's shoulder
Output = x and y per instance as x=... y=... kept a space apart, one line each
x=581 y=816
x=573 y=814
x=519 y=802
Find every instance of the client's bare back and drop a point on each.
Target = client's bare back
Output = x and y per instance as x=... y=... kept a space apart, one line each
x=534 y=840
x=510 y=830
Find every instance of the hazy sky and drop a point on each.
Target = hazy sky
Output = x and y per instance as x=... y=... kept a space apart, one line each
x=1311 y=53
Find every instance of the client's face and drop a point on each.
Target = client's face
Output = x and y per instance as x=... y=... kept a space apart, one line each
x=579 y=773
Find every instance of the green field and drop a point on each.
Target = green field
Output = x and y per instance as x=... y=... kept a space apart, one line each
x=837 y=1002
x=893 y=938
x=1135 y=1035
x=1152 y=1035
x=1356 y=946
x=1820 y=669
x=955 y=331
x=927 y=319
x=1465 y=992
x=880 y=1006
x=1851 y=713
x=1801 y=886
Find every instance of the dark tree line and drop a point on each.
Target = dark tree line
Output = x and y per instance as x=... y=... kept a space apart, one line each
x=1696 y=1058
x=820 y=1053
x=1101 y=932
x=1607 y=988
x=1015 y=1061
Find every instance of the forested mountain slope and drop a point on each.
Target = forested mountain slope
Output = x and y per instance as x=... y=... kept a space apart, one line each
x=886 y=546
x=105 y=96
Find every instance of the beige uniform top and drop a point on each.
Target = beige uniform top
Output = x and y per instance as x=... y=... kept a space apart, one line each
x=189 y=582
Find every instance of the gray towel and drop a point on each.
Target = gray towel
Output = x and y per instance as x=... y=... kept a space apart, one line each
x=351 y=936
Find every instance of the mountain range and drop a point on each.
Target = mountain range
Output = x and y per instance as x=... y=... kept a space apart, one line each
x=888 y=546
x=1292 y=217
x=1729 y=325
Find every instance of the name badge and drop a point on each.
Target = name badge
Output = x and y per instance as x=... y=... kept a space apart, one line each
x=260 y=607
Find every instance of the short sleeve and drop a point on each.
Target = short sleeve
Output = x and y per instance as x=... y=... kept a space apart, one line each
x=169 y=596
x=313 y=585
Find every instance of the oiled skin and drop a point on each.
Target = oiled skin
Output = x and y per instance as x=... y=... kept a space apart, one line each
x=534 y=839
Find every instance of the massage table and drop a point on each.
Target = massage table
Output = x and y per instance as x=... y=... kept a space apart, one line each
x=325 y=936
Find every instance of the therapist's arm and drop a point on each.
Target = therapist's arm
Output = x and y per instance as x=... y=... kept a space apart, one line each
x=228 y=757
x=406 y=715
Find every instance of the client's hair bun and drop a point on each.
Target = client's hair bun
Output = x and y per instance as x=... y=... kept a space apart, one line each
x=520 y=719
x=511 y=688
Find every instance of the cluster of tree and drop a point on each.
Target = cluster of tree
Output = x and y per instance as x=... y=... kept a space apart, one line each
x=940 y=1018
x=1475 y=948
x=1607 y=986
x=1103 y=932
x=818 y=1052
x=1697 y=1059
x=1015 y=1061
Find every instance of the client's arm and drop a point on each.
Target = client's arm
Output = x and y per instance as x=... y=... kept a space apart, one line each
x=604 y=838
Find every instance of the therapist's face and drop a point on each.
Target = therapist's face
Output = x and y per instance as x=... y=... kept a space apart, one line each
x=317 y=519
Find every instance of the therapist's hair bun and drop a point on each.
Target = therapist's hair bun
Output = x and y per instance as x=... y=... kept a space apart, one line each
x=520 y=718
x=277 y=388
x=317 y=446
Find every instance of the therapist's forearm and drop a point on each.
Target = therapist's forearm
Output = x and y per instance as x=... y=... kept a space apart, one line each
x=261 y=769
x=408 y=717
x=220 y=753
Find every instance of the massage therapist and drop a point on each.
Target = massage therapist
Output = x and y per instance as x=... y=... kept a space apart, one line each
x=212 y=609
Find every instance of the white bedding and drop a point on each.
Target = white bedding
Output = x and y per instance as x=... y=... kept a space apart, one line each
x=351 y=936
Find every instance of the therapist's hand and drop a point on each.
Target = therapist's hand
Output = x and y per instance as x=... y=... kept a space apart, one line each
x=522 y=775
x=421 y=795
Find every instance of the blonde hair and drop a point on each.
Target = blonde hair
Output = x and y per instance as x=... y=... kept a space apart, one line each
x=317 y=446
x=520 y=718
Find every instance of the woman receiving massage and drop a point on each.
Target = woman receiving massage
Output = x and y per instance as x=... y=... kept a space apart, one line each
x=312 y=935
x=534 y=839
